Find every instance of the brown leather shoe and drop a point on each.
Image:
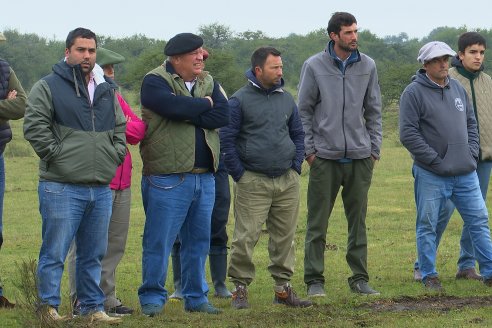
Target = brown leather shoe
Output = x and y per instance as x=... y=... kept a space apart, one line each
x=417 y=275
x=4 y=303
x=469 y=274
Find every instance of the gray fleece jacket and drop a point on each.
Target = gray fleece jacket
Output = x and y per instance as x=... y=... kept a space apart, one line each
x=340 y=107
x=438 y=126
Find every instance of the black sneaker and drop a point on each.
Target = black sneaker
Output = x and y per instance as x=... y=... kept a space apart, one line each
x=240 y=298
x=288 y=297
x=119 y=311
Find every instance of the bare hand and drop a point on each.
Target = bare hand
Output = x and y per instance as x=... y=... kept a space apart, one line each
x=12 y=94
x=211 y=101
x=310 y=159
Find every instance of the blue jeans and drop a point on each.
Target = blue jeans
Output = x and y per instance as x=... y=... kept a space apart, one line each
x=2 y=192
x=71 y=211
x=467 y=255
x=176 y=204
x=432 y=193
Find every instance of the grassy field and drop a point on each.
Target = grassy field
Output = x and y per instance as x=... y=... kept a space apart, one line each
x=391 y=234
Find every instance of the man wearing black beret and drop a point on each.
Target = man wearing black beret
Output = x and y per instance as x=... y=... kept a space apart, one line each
x=180 y=153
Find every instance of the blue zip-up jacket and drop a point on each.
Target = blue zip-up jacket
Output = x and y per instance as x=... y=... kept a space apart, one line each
x=265 y=132
x=438 y=126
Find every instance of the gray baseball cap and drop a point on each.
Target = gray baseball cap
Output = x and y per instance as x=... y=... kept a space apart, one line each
x=434 y=49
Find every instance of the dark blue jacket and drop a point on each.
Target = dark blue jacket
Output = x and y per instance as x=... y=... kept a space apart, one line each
x=264 y=134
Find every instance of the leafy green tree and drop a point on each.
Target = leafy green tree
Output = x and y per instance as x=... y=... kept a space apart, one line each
x=215 y=35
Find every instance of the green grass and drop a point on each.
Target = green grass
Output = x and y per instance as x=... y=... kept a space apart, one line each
x=391 y=234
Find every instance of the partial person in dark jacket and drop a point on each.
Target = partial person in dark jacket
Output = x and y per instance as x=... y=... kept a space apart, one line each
x=12 y=107
x=263 y=151
x=445 y=159
x=77 y=128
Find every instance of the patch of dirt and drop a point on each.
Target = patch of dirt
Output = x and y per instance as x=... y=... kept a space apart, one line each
x=436 y=303
x=331 y=247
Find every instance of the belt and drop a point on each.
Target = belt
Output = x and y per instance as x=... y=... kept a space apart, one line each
x=199 y=170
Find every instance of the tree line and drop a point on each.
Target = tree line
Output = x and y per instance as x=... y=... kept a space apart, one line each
x=32 y=56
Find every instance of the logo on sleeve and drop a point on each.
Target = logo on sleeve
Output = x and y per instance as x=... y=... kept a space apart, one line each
x=459 y=104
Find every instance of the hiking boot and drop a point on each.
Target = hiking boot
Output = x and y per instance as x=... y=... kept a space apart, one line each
x=316 y=290
x=433 y=284
x=362 y=287
x=240 y=298
x=469 y=274
x=205 y=308
x=119 y=311
x=417 y=275
x=5 y=304
x=288 y=297
x=101 y=316
x=151 y=310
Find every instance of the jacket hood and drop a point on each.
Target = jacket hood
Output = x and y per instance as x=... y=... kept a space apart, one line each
x=253 y=80
x=421 y=78
x=74 y=75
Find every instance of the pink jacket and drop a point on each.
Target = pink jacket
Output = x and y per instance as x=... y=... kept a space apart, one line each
x=135 y=132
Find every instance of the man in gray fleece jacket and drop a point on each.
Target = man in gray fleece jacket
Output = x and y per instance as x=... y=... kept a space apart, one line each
x=439 y=129
x=340 y=109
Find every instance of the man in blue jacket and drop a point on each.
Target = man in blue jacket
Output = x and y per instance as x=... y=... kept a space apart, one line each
x=445 y=159
x=263 y=152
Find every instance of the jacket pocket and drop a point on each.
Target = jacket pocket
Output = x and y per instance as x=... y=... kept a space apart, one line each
x=458 y=160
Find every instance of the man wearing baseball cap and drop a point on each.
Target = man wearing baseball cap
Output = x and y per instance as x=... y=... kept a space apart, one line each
x=180 y=153
x=12 y=107
x=439 y=129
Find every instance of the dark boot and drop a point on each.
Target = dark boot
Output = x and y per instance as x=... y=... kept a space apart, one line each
x=218 y=271
x=4 y=303
x=176 y=262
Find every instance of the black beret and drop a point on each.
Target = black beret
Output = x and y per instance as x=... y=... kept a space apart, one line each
x=182 y=43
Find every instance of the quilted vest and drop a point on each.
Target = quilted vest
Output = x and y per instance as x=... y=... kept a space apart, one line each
x=169 y=146
x=481 y=88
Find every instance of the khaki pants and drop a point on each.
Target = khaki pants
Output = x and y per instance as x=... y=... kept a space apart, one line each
x=259 y=199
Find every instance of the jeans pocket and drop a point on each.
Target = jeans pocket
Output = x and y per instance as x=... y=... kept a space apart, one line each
x=166 y=181
x=54 y=187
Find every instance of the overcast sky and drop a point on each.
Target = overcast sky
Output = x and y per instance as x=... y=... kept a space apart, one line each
x=161 y=19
